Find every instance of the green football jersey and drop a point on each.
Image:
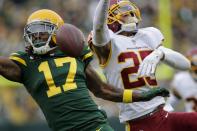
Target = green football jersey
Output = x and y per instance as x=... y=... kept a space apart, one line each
x=58 y=85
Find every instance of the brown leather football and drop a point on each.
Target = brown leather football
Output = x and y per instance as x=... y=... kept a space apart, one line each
x=70 y=40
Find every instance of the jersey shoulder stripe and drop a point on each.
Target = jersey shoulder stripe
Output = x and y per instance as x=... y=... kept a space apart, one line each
x=86 y=56
x=108 y=59
x=18 y=57
x=86 y=53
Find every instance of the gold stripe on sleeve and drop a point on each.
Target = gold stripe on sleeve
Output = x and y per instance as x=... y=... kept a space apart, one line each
x=87 y=55
x=18 y=59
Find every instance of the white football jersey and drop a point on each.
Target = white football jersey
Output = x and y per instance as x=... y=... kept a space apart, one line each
x=186 y=86
x=121 y=69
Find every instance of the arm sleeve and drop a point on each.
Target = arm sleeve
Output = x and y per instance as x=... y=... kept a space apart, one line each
x=19 y=59
x=172 y=58
x=101 y=35
x=175 y=59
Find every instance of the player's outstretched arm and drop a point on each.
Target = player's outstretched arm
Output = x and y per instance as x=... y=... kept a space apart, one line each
x=9 y=69
x=100 y=29
x=111 y=93
x=168 y=56
x=175 y=59
x=101 y=37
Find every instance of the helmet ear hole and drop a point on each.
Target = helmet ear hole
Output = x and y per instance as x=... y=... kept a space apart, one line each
x=132 y=14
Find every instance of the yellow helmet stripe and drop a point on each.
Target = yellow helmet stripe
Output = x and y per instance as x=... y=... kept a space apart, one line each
x=18 y=59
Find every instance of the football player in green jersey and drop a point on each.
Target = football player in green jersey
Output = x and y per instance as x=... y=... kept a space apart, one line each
x=59 y=83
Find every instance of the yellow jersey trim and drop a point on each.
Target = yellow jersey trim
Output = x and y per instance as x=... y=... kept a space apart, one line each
x=18 y=59
x=87 y=56
x=128 y=126
x=108 y=59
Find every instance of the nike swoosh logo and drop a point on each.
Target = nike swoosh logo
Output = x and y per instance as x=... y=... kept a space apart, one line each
x=99 y=129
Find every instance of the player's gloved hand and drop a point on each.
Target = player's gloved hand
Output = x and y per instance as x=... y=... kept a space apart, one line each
x=155 y=92
x=149 y=64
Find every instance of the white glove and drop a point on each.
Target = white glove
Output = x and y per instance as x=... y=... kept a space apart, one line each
x=149 y=64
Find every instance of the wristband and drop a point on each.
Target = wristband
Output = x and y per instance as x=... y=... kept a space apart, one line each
x=127 y=96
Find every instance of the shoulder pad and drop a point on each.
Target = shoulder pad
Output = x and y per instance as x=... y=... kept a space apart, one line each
x=153 y=37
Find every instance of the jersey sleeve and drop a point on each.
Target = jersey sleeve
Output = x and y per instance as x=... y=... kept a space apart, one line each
x=19 y=59
x=87 y=55
x=154 y=37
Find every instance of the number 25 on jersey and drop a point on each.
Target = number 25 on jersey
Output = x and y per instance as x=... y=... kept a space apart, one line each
x=137 y=57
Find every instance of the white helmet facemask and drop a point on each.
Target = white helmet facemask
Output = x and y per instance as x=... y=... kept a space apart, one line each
x=38 y=28
x=129 y=26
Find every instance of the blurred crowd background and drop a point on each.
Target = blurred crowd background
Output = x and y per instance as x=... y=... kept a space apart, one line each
x=16 y=106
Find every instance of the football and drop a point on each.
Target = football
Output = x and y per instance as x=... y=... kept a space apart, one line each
x=70 y=40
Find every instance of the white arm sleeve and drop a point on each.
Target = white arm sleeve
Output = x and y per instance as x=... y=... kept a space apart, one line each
x=175 y=59
x=101 y=35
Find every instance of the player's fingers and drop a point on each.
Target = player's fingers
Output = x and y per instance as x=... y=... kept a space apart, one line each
x=144 y=68
x=148 y=70
x=140 y=69
x=153 y=68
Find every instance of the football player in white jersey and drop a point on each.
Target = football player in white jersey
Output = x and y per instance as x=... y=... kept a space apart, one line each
x=184 y=84
x=129 y=57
